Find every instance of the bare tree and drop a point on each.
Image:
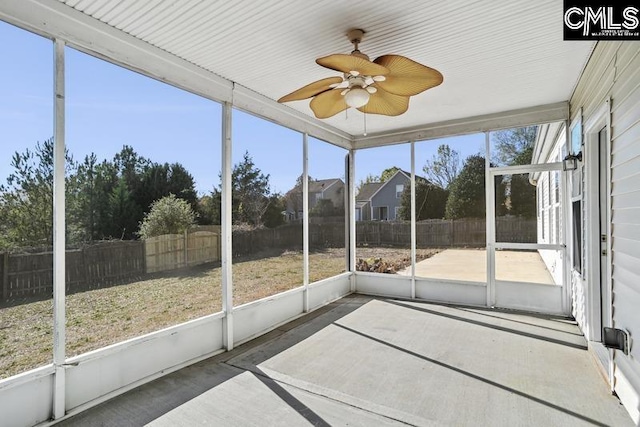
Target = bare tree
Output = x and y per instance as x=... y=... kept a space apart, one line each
x=444 y=166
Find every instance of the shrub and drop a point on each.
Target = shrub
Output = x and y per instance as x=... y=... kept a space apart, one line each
x=168 y=215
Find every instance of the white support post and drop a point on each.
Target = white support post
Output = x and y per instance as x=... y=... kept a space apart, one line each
x=305 y=220
x=490 y=196
x=226 y=226
x=347 y=217
x=352 y=218
x=413 y=219
x=566 y=206
x=59 y=335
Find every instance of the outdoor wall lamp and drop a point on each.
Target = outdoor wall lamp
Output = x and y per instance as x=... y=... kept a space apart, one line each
x=570 y=163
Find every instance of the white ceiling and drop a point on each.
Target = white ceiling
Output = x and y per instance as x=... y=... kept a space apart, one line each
x=495 y=56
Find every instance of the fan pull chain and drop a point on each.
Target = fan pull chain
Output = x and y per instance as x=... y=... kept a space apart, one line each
x=365 y=124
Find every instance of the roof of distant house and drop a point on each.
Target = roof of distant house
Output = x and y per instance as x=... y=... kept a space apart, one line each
x=322 y=184
x=368 y=190
x=318 y=186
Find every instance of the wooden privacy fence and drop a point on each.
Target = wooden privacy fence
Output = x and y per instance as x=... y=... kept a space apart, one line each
x=468 y=232
x=172 y=251
x=30 y=275
x=429 y=233
x=516 y=230
x=288 y=236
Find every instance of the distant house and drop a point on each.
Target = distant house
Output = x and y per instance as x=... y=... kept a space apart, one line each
x=322 y=189
x=381 y=201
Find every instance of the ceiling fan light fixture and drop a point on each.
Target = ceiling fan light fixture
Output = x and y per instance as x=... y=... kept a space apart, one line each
x=357 y=97
x=382 y=86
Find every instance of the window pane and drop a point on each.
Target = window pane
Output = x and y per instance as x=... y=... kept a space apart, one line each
x=26 y=201
x=576 y=247
x=267 y=235
x=143 y=204
x=327 y=254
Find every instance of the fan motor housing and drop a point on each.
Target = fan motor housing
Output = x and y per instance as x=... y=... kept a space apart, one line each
x=355 y=35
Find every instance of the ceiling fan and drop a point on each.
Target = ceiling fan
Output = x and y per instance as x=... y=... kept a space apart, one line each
x=382 y=86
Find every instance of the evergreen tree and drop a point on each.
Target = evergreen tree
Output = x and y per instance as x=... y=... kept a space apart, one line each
x=515 y=147
x=274 y=212
x=250 y=192
x=123 y=213
x=210 y=208
x=160 y=180
x=431 y=201
x=324 y=207
x=467 y=195
x=26 y=200
x=88 y=199
x=467 y=191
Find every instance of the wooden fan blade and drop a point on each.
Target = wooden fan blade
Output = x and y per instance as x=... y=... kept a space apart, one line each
x=385 y=103
x=349 y=63
x=407 y=77
x=328 y=104
x=312 y=89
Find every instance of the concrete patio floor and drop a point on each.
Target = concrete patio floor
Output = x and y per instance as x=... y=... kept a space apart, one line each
x=471 y=265
x=364 y=361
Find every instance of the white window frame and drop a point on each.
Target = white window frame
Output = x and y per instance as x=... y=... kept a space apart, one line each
x=399 y=190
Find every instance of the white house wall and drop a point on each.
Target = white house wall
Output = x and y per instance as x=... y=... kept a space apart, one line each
x=553 y=214
x=614 y=73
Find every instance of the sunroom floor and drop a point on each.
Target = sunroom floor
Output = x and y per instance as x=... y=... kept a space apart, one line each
x=364 y=361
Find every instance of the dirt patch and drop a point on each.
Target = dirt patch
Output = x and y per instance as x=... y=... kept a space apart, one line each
x=388 y=260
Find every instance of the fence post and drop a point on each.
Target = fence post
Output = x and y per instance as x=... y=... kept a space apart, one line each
x=86 y=273
x=186 y=248
x=144 y=256
x=5 y=276
x=452 y=234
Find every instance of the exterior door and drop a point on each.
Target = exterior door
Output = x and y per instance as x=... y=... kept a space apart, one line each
x=604 y=221
x=528 y=274
x=383 y=213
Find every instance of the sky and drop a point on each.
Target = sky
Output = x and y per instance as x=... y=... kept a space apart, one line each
x=108 y=106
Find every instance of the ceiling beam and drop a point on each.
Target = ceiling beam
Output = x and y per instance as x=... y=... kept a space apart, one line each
x=495 y=121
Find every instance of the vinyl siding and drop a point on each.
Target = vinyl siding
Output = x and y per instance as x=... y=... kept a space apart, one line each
x=550 y=209
x=614 y=71
x=386 y=196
